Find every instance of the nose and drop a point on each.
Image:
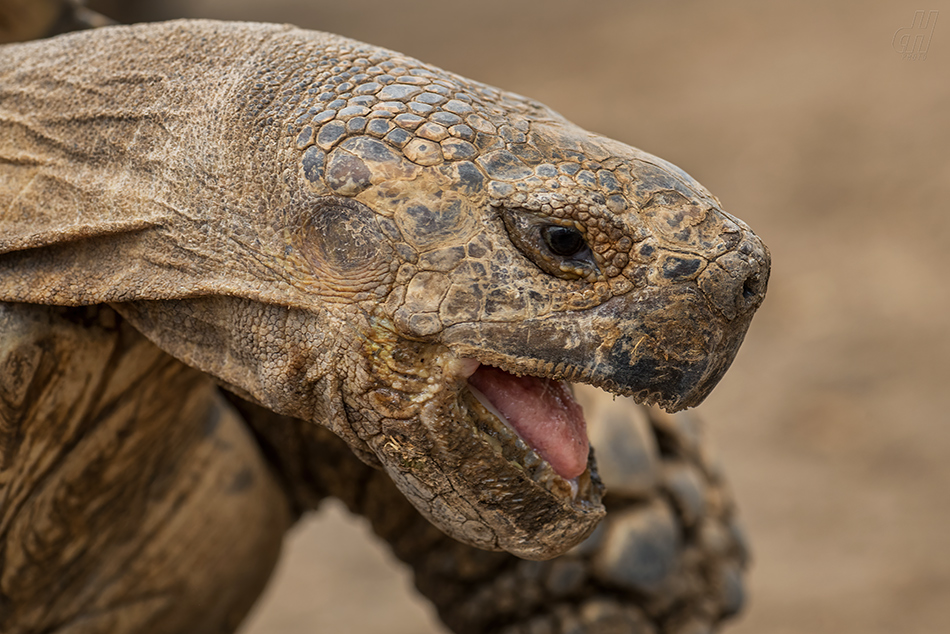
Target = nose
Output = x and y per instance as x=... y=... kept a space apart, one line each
x=735 y=283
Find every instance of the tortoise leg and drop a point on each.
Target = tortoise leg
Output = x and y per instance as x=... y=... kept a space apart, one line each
x=668 y=558
x=132 y=497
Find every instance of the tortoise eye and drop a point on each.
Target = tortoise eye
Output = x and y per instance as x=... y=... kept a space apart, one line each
x=559 y=250
x=563 y=241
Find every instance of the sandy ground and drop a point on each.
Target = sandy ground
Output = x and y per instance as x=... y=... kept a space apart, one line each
x=808 y=124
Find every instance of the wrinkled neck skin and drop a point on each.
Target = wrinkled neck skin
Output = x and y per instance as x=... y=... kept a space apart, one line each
x=344 y=234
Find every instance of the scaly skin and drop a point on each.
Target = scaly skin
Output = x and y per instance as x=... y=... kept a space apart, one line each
x=668 y=558
x=331 y=231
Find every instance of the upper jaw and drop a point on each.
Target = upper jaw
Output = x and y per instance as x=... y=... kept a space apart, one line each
x=667 y=348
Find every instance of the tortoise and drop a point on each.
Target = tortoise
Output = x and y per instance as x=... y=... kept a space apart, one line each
x=246 y=267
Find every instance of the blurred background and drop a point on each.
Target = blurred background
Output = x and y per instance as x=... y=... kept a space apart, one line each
x=807 y=120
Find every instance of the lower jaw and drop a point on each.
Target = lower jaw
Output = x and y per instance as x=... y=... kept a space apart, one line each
x=505 y=442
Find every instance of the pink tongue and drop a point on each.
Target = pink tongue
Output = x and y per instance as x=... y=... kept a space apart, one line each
x=543 y=412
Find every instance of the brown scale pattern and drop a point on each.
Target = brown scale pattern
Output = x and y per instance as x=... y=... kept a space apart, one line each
x=668 y=559
x=343 y=102
x=325 y=228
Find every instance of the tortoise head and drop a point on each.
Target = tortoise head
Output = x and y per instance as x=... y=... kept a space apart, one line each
x=510 y=251
x=347 y=235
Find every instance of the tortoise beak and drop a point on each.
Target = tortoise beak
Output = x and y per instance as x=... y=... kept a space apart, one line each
x=668 y=346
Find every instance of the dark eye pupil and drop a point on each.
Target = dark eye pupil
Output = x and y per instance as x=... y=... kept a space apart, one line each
x=563 y=241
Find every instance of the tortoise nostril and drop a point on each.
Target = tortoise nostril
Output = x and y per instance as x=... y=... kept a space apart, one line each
x=735 y=284
x=750 y=287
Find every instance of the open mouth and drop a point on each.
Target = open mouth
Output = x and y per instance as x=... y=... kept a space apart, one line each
x=485 y=437
x=534 y=422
